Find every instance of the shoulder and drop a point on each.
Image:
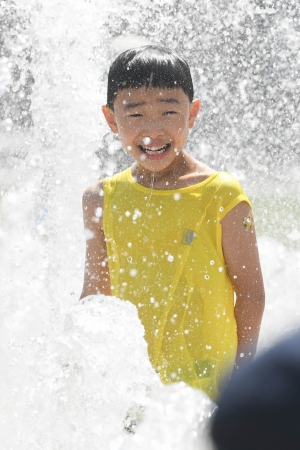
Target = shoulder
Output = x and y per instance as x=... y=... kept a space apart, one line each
x=227 y=185
x=226 y=193
x=93 y=195
x=217 y=178
x=226 y=179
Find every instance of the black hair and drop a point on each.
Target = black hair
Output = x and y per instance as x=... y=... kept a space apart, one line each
x=150 y=66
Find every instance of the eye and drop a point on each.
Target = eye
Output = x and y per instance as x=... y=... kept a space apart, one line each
x=135 y=115
x=169 y=113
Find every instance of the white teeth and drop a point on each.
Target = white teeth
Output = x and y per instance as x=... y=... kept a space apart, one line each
x=155 y=150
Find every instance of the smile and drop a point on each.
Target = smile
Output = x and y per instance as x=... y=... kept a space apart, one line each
x=154 y=150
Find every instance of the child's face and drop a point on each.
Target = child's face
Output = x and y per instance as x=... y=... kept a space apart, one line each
x=152 y=124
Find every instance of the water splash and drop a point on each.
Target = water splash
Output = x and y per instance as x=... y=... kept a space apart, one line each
x=177 y=417
x=81 y=384
x=249 y=92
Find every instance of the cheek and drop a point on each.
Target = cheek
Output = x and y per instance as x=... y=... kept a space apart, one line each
x=124 y=131
x=127 y=125
x=127 y=133
x=182 y=128
x=180 y=124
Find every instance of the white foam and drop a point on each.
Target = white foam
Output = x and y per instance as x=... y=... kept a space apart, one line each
x=176 y=418
x=84 y=379
x=281 y=273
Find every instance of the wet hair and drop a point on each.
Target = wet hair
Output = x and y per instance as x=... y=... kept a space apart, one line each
x=150 y=66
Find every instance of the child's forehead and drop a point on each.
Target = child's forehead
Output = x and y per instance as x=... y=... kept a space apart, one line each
x=150 y=94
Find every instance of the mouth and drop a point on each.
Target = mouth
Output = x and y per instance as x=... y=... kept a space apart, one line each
x=154 y=150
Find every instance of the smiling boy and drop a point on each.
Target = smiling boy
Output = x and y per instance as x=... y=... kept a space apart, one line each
x=171 y=235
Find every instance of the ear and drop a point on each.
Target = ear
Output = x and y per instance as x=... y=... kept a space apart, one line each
x=110 y=118
x=194 y=110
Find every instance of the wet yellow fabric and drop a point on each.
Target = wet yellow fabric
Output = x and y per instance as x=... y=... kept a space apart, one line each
x=165 y=256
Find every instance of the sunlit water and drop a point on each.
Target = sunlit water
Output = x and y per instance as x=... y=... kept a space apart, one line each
x=76 y=375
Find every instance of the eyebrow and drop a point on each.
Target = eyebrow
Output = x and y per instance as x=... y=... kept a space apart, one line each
x=133 y=105
x=169 y=100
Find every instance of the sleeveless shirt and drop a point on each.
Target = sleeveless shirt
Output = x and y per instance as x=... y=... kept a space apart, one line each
x=165 y=256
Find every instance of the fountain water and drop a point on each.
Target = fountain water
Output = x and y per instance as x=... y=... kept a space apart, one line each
x=65 y=380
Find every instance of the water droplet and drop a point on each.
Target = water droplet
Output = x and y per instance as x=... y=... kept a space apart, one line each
x=138 y=212
x=98 y=212
x=221 y=208
x=212 y=262
x=147 y=140
x=170 y=258
x=206 y=277
x=221 y=269
x=127 y=213
x=177 y=196
x=224 y=153
x=133 y=272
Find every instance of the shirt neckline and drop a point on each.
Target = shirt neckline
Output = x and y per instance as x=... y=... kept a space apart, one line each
x=145 y=189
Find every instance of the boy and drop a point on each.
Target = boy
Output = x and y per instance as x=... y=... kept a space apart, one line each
x=171 y=235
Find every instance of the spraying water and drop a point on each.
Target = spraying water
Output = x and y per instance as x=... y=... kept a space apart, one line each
x=78 y=374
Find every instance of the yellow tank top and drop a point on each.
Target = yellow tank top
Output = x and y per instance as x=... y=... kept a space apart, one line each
x=165 y=256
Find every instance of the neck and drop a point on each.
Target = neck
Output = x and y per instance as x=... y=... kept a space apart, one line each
x=183 y=164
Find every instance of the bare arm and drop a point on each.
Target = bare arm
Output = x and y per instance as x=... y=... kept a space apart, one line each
x=96 y=273
x=243 y=266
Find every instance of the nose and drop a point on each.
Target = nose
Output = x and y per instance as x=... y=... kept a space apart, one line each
x=152 y=130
